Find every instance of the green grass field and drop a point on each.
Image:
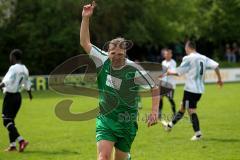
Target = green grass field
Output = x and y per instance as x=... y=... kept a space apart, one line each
x=53 y=139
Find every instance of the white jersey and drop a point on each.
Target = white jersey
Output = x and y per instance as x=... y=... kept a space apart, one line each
x=194 y=67
x=16 y=77
x=169 y=65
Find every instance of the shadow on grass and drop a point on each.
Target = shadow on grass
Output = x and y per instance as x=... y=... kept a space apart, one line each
x=223 y=140
x=61 y=152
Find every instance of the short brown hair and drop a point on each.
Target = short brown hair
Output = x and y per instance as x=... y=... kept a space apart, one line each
x=191 y=44
x=115 y=42
x=118 y=40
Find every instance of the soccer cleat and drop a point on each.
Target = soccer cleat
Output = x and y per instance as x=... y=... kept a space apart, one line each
x=22 y=145
x=11 y=149
x=196 y=137
x=166 y=126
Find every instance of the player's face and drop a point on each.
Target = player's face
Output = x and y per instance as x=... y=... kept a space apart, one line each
x=187 y=49
x=117 y=56
x=167 y=55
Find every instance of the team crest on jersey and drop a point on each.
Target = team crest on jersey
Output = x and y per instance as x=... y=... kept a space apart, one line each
x=113 y=82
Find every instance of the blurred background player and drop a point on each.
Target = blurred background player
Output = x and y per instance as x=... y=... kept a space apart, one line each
x=167 y=83
x=16 y=77
x=118 y=83
x=194 y=67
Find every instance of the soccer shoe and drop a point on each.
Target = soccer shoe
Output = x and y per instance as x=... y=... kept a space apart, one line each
x=22 y=145
x=11 y=149
x=196 y=137
x=166 y=126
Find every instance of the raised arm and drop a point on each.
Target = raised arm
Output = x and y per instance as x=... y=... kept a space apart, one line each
x=84 y=30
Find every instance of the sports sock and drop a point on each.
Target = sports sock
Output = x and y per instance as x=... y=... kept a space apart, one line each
x=20 y=138
x=160 y=108
x=177 y=117
x=173 y=105
x=195 y=122
x=198 y=134
x=13 y=144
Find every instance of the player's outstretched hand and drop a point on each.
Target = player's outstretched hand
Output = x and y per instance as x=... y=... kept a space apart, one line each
x=161 y=76
x=30 y=95
x=220 y=83
x=88 y=9
x=152 y=119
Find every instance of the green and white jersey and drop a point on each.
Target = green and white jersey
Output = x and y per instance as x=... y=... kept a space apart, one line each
x=118 y=88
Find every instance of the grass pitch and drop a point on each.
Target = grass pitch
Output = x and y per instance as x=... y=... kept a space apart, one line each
x=53 y=139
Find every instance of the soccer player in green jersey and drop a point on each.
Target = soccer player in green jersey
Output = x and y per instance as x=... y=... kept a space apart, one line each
x=118 y=82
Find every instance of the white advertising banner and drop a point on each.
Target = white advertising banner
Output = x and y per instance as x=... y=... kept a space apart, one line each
x=41 y=82
x=228 y=75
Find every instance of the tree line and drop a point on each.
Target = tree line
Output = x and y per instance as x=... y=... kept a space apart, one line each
x=48 y=31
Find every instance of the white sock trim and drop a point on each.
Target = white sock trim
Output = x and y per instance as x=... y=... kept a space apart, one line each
x=20 y=138
x=198 y=133
x=170 y=124
x=9 y=124
x=13 y=144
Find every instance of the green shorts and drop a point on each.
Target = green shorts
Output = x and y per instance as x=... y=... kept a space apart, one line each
x=122 y=134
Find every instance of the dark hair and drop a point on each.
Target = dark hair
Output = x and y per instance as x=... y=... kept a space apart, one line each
x=191 y=44
x=17 y=53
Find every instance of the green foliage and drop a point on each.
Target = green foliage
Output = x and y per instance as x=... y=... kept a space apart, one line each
x=48 y=31
x=53 y=139
x=219 y=19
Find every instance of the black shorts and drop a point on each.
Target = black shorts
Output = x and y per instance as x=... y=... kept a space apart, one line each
x=190 y=100
x=11 y=105
x=168 y=92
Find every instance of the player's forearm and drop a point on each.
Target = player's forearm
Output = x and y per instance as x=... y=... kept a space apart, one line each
x=218 y=74
x=171 y=73
x=85 y=35
x=155 y=100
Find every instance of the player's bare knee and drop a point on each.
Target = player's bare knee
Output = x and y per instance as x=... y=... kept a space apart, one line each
x=104 y=156
x=191 y=111
x=121 y=156
x=182 y=109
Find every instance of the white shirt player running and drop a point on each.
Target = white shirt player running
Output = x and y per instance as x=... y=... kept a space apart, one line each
x=169 y=65
x=16 y=77
x=194 y=67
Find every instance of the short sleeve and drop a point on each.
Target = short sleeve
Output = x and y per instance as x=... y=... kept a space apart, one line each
x=211 y=63
x=164 y=67
x=143 y=79
x=9 y=77
x=173 y=66
x=184 y=66
x=27 y=83
x=98 y=56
